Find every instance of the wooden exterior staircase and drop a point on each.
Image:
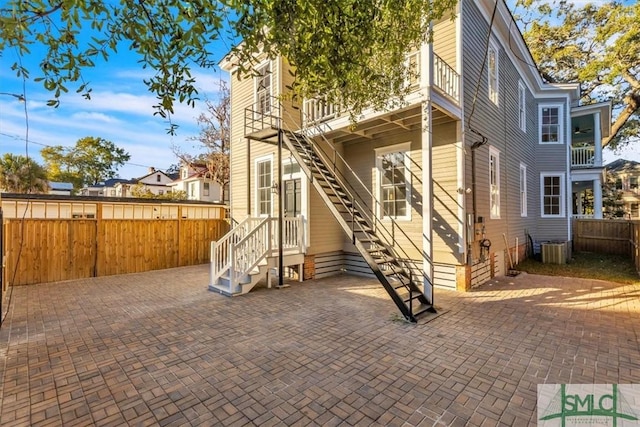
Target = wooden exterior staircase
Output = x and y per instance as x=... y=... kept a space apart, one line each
x=327 y=172
x=242 y=257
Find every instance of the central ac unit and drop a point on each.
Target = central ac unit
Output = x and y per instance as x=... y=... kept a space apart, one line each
x=554 y=253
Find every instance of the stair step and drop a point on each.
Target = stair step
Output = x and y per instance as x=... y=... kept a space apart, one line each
x=423 y=309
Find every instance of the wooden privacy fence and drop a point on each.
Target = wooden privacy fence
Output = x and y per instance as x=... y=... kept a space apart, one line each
x=608 y=237
x=73 y=248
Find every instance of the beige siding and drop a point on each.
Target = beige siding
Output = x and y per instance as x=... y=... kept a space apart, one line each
x=361 y=157
x=446 y=221
x=444 y=41
x=325 y=234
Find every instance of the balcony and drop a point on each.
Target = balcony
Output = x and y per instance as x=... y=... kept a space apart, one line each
x=445 y=79
x=583 y=156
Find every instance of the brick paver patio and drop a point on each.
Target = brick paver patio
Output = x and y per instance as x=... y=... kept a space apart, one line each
x=159 y=349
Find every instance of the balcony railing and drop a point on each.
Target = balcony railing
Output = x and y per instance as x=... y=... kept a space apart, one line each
x=583 y=156
x=317 y=110
x=445 y=78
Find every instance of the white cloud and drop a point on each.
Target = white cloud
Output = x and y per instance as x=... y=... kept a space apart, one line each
x=94 y=116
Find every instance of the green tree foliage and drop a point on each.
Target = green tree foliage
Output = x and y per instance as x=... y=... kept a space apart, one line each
x=142 y=192
x=612 y=202
x=20 y=174
x=352 y=51
x=90 y=161
x=598 y=45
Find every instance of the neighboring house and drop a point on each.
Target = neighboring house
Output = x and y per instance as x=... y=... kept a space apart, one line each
x=105 y=188
x=481 y=156
x=626 y=175
x=155 y=181
x=195 y=182
x=60 y=188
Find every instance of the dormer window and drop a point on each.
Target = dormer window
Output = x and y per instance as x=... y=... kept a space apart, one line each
x=184 y=173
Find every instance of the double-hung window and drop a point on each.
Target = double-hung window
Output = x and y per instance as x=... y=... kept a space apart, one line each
x=263 y=88
x=552 y=192
x=550 y=124
x=394 y=181
x=494 y=183
x=263 y=186
x=523 y=190
x=493 y=72
x=522 y=107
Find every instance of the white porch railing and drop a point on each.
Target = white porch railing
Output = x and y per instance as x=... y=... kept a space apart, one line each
x=583 y=216
x=445 y=78
x=583 y=156
x=251 y=241
x=317 y=110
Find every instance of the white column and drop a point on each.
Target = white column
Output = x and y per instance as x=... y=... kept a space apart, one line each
x=426 y=83
x=597 y=197
x=597 y=139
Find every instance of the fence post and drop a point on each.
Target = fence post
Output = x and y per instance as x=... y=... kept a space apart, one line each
x=98 y=243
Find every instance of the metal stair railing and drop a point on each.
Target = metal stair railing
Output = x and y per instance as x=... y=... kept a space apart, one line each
x=372 y=227
x=348 y=177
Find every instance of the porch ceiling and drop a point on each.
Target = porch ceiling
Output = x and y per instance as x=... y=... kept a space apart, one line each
x=409 y=119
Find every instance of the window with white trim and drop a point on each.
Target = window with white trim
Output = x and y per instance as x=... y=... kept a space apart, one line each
x=522 y=107
x=523 y=190
x=493 y=72
x=263 y=187
x=263 y=88
x=205 y=189
x=550 y=124
x=394 y=181
x=552 y=193
x=413 y=69
x=494 y=183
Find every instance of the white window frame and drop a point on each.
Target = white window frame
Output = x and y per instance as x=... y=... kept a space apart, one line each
x=205 y=189
x=412 y=81
x=404 y=148
x=560 y=123
x=561 y=196
x=257 y=91
x=493 y=73
x=522 y=107
x=494 y=183
x=523 y=190
x=263 y=159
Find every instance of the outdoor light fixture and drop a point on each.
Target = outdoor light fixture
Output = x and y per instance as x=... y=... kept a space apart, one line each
x=274 y=187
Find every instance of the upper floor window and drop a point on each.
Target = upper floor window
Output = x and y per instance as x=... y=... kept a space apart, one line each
x=263 y=88
x=494 y=182
x=184 y=173
x=493 y=70
x=633 y=183
x=394 y=181
x=158 y=179
x=550 y=124
x=413 y=69
x=205 y=189
x=522 y=107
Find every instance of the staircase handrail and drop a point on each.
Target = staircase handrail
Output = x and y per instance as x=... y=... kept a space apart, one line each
x=368 y=211
x=222 y=249
x=243 y=261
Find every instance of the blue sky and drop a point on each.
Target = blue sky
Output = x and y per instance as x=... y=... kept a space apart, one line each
x=120 y=110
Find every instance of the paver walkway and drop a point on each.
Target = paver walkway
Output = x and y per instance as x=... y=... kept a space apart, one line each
x=159 y=349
